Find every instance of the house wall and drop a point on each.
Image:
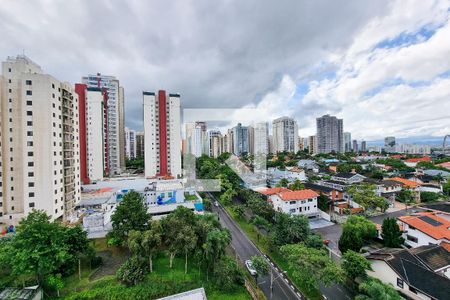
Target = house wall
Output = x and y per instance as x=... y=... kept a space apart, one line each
x=295 y=207
x=383 y=271
x=422 y=238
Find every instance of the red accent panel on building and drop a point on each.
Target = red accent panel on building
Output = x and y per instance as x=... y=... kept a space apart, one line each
x=105 y=135
x=80 y=89
x=162 y=134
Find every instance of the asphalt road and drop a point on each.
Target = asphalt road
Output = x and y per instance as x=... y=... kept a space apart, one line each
x=282 y=288
x=246 y=249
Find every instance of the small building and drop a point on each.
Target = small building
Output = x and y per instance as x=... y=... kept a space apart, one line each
x=348 y=178
x=411 y=272
x=197 y=294
x=302 y=202
x=27 y=293
x=425 y=228
x=412 y=162
x=274 y=175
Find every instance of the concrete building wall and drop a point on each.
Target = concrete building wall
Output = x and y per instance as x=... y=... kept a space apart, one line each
x=95 y=135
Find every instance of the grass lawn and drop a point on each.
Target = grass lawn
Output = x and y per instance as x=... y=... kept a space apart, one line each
x=162 y=282
x=190 y=197
x=262 y=244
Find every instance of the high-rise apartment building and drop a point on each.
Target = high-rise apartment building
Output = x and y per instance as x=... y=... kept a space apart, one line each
x=363 y=146
x=214 y=143
x=94 y=147
x=312 y=144
x=355 y=146
x=285 y=135
x=261 y=140
x=251 y=140
x=139 y=144
x=389 y=144
x=347 y=142
x=162 y=134
x=330 y=136
x=39 y=149
x=240 y=140
x=130 y=143
x=196 y=138
x=115 y=119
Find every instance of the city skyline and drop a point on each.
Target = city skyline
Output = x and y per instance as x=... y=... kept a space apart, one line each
x=311 y=69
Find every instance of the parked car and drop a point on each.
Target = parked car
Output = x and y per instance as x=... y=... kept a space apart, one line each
x=216 y=204
x=249 y=265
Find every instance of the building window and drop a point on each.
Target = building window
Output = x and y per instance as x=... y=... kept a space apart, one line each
x=29 y=123
x=30 y=174
x=292 y=210
x=30 y=143
x=31 y=164
x=29 y=102
x=31 y=194
x=28 y=82
x=411 y=238
x=29 y=113
x=31 y=204
x=292 y=202
x=29 y=133
x=30 y=153
x=30 y=184
x=29 y=93
x=399 y=283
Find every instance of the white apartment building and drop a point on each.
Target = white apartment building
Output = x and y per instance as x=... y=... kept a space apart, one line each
x=115 y=118
x=261 y=138
x=130 y=143
x=39 y=143
x=330 y=136
x=285 y=135
x=302 y=202
x=162 y=134
x=214 y=143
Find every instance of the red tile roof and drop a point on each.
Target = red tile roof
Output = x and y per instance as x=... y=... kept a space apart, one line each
x=418 y=159
x=298 y=195
x=406 y=182
x=273 y=191
x=436 y=232
x=445 y=165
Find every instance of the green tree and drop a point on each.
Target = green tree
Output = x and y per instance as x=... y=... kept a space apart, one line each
x=314 y=241
x=151 y=241
x=366 y=228
x=365 y=195
x=56 y=282
x=130 y=214
x=311 y=266
x=446 y=188
x=290 y=229
x=391 y=233
x=132 y=271
x=374 y=289
x=214 y=247
x=355 y=265
x=227 y=274
x=350 y=240
x=282 y=183
x=429 y=197
x=239 y=211
x=405 y=196
x=323 y=202
x=296 y=185
x=38 y=247
x=260 y=207
x=260 y=264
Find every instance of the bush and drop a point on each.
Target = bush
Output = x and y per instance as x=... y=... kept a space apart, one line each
x=132 y=271
x=429 y=196
x=227 y=274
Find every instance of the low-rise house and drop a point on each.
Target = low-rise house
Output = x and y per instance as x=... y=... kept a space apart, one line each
x=412 y=272
x=308 y=164
x=26 y=293
x=274 y=175
x=425 y=228
x=445 y=165
x=434 y=173
x=348 y=178
x=412 y=162
x=411 y=185
x=302 y=202
x=332 y=194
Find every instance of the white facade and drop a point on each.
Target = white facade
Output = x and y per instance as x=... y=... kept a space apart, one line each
x=285 y=135
x=130 y=143
x=261 y=139
x=330 y=136
x=162 y=134
x=95 y=146
x=307 y=207
x=115 y=115
x=39 y=122
x=415 y=238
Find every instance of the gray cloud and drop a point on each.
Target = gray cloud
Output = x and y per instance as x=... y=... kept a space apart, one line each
x=215 y=53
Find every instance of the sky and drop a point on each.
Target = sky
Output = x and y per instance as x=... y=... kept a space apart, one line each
x=383 y=66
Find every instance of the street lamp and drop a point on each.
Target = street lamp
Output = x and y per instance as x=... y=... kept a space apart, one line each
x=272 y=279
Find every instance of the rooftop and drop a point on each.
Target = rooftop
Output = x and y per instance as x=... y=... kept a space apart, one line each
x=418 y=159
x=273 y=191
x=434 y=256
x=429 y=223
x=298 y=195
x=197 y=294
x=408 y=183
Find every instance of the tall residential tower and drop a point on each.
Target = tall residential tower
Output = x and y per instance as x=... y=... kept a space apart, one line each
x=330 y=136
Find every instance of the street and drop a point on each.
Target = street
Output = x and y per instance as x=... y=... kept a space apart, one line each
x=246 y=249
x=282 y=289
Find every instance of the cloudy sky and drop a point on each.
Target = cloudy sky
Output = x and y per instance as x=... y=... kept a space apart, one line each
x=383 y=66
